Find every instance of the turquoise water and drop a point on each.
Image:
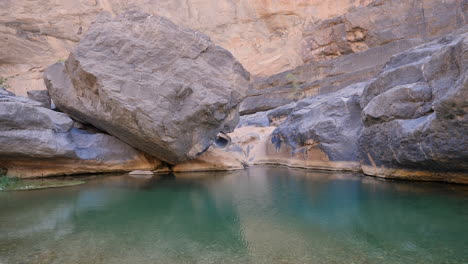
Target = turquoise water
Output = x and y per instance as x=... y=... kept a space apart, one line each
x=261 y=215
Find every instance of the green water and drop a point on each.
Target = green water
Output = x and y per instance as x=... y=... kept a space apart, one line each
x=261 y=215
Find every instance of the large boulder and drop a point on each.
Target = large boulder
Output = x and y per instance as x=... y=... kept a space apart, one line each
x=415 y=114
x=322 y=131
x=164 y=89
x=37 y=142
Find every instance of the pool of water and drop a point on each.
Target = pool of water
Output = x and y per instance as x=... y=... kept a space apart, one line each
x=260 y=215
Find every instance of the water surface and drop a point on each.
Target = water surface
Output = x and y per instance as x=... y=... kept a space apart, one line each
x=261 y=215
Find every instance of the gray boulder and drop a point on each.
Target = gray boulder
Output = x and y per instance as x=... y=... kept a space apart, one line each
x=36 y=141
x=332 y=122
x=164 y=89
x=415 y=114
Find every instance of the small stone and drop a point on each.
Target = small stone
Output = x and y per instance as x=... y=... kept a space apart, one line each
x=141 y=172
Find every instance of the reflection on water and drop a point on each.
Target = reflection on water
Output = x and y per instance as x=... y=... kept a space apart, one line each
x=261 y=215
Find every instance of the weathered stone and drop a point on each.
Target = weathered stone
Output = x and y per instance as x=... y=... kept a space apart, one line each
x=402 y=102
x=163 y=89
x=319 y=132
x=320 y=77
x=331 y=123
x=41 y=96
x=380 y=23
x=259 y=119
x=265 y=36
x=37 y=142
x=214 y=159
x=415 y=114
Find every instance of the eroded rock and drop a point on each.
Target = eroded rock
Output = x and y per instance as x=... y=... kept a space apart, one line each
x=164 y=89
x=265 y=36
x=380 y=23
x=37 y=142
x=321 y=77
x=415 y=114
x=41 y=96
x=327 y=124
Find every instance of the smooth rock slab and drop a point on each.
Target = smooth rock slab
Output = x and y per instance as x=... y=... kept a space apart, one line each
x=164 y=89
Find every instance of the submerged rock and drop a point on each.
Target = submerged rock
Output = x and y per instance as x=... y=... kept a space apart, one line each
x=164 y=89
x=415 y=114
x=36 y=141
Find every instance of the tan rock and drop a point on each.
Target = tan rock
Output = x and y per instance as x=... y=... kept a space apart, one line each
x=265 y=36
x=214 y=159
x=257 y=149
x=380 y=23
x=141 y=172
x=33 y=167
x=252 y=146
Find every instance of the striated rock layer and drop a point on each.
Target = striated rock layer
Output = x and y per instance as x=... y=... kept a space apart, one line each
x=163 y=89
x=37 y=142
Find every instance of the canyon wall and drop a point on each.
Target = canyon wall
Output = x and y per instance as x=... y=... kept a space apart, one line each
x=266 y=36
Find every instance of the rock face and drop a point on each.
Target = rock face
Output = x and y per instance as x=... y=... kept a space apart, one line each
x=354 y=47
x=214 y=159
x=266 y=36
x=319 y=132
x=379 y=23
x=320 y=77
x=36 y=141
x=163 y=89
x=415 y=114
x=330 y=123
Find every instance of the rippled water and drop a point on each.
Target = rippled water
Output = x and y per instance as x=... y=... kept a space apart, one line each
x=261 y=215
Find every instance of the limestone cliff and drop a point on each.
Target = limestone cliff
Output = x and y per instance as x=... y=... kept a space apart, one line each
x=264 y=35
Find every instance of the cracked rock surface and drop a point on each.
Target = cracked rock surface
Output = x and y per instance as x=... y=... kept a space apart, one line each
x=415 y=113
x=164 y=89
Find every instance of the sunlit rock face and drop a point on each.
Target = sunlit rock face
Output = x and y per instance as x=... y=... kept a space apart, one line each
x=354 y=47
x=415 y=114
x=265 y=36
